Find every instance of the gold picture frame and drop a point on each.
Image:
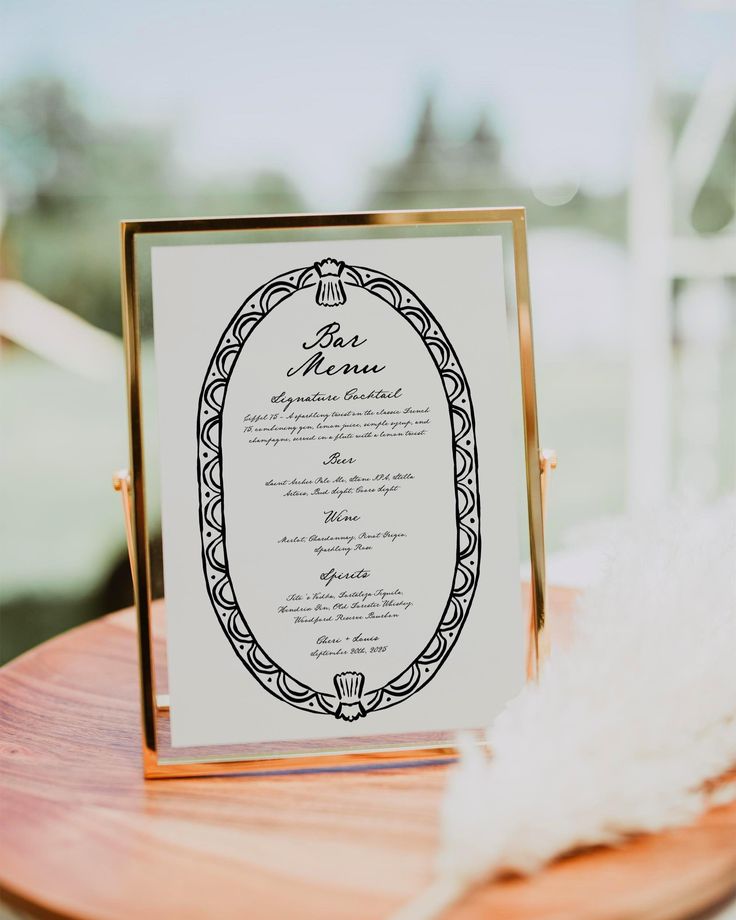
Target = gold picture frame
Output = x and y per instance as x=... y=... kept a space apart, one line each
x=132 y=482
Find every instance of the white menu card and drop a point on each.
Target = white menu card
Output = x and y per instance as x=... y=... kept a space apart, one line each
x=339 y=487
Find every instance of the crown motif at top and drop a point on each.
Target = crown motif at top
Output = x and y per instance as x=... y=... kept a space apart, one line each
x=330 y=289
x=329 y=267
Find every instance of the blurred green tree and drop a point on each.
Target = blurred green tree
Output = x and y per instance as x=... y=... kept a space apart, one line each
x=68 y=177
x=442 y=169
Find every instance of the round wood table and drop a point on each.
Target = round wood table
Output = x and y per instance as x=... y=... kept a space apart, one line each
x=82 y=835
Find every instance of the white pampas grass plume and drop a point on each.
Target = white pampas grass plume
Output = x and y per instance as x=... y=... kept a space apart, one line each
x=627 y=724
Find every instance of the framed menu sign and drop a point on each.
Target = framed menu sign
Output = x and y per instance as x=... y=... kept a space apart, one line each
x=331 y=459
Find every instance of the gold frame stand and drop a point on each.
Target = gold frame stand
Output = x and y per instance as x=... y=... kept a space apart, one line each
x=131 y=482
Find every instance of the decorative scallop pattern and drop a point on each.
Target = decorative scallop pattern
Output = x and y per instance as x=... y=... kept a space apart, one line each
x=350 y=701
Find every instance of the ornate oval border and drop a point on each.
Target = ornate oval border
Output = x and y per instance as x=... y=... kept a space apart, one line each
x=350 y=700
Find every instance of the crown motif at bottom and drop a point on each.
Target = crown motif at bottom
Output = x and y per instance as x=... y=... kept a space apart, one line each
x=349 y=687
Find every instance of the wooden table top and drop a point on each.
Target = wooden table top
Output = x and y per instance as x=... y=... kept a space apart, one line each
x=84 y=836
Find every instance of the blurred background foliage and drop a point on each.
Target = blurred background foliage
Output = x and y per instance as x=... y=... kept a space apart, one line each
x=70 y=179
x=69 y=173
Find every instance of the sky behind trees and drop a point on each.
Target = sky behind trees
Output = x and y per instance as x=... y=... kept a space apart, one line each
x=324 y=90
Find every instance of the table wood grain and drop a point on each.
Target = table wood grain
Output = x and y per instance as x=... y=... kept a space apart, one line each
x=82 y=834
